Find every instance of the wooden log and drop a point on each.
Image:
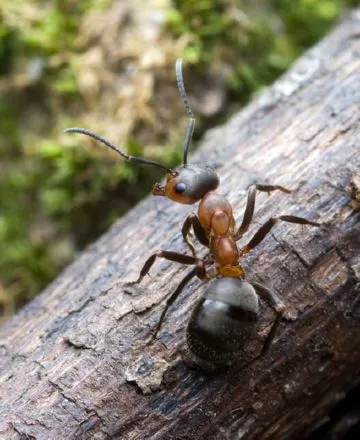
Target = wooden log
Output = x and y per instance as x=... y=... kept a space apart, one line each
x=76 y=363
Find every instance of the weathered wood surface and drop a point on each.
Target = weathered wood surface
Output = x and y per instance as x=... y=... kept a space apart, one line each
x=75 y=362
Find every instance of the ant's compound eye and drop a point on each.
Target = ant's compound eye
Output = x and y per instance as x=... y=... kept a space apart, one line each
x=180 y=187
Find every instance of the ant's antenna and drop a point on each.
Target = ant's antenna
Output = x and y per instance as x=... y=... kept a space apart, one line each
x=133 y=159
x=191 y=123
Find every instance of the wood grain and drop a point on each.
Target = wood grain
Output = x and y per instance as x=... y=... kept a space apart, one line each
x=76 y=363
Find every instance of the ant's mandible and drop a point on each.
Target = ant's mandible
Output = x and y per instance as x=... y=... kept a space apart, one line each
x=224 y=319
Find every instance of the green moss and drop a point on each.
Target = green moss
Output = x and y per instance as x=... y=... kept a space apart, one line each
x=51 y=33
x=8 y=47
x=9 y=131
x=56 y=30
x=259 y=44
x=65 y=83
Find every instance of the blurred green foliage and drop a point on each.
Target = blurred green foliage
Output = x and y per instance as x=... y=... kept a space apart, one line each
x=259 y=40
x=56 y=195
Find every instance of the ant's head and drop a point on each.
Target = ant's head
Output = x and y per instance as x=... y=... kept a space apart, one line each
x=189 y=183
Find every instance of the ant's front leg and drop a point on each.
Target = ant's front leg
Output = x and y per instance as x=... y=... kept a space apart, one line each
x=171 y=256
x=192 y=220
x=250 y=205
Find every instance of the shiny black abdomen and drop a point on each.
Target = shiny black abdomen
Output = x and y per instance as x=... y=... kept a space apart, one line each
x=223 y=320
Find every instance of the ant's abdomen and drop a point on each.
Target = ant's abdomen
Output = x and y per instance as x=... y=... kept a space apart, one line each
x=223 y=320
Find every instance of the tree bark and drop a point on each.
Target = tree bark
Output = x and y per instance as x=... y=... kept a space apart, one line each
x=76 y=363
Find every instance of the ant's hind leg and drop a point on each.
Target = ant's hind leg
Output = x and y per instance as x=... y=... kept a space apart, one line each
x=192 y=220
x=250 y=205
x=199 y=271
x=172 y=299
x=167 y=255
x=280 y=308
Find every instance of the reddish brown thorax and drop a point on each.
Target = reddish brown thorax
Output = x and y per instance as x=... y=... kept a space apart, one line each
x=224 y=250
x=215 y=214
x=216 y=217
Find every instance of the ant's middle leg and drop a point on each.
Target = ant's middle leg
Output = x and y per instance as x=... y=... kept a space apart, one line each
x=171 y=256
x=266 y=228
x=192 y=220
x=250 y=205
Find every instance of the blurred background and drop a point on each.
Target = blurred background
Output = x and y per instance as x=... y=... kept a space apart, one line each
x=109 y=66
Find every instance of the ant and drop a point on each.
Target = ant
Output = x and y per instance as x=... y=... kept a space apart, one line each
x=225 y=318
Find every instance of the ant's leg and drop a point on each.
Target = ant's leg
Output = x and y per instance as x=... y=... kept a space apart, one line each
x=200 y=272
x=172 y=256
x=270 y=188
x=192 y=220
x=172 y=299
x=250 y=205
x=280 y=308
x=266 y=228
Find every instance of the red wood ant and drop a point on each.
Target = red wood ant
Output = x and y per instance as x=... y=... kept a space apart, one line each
x=224 y=319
